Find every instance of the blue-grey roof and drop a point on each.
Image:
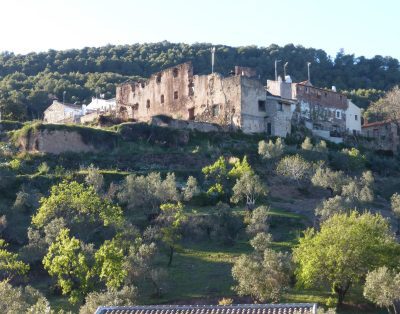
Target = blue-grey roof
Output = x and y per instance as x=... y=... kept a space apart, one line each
x=298 y=308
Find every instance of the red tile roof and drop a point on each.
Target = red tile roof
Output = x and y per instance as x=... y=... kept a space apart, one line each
x=377 y=123
x=300 y=308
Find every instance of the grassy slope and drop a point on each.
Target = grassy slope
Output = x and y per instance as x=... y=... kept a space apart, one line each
x=203 y=269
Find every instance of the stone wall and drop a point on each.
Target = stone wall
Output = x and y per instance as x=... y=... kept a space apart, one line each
x=176 y=92
x=382 y=136
x=187 y=125
x=234 y=102
x=54 y=142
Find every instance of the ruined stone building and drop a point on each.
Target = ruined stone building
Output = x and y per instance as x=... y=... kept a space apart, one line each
x=238 y=101
x=326 y=113
x=382 y=135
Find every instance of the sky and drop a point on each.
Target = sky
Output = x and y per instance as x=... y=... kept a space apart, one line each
x=362 y=27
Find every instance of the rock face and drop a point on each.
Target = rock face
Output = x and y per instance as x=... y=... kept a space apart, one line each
x=55 y=142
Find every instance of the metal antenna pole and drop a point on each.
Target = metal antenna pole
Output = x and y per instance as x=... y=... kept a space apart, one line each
x=212 y=59
x=284 y=70
x=308 y=70
x=276 y=71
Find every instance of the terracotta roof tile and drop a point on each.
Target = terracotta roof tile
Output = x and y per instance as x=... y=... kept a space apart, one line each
x=300 y=308
x=377 y=123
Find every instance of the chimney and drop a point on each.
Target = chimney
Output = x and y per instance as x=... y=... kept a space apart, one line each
x=334 y=89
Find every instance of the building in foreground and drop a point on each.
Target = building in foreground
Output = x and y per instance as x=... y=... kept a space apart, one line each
x=327 y=113
x=300 y=308
x=238 y=101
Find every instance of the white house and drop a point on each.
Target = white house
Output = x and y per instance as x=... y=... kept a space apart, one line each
x=101 y=105
x=59 y=112
x=353 y=118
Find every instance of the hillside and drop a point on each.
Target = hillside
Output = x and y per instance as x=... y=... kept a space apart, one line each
x=28 y=83
x=213 y=236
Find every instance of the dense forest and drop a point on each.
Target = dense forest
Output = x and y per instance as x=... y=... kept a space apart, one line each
x=28 y=83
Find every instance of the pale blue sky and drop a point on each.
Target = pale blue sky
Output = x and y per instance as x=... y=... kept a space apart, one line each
x=362 y=27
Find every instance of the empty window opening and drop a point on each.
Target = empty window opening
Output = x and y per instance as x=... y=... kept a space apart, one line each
x=191 y=89
x=158 y=79
x=261 y=105
x=162 y=99
x=191 y=113
x=280 y=106
x=175 y=72
x=136 y=106
x=176 y=95
x=356 y=117
x=215 y=110
x=338 y=114
x=148 y=104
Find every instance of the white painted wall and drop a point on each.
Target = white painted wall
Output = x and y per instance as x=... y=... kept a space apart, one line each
x=101 y=105
x=353 y=118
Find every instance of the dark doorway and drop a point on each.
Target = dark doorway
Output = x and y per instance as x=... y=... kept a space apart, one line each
x=191 y=113
x=269 y=128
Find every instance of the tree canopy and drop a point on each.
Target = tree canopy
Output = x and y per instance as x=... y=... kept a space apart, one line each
x=343 y=251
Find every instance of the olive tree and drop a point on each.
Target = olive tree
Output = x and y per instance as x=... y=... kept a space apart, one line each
x=382 y=287
x=271 y=150
x=94 y=178
x=125 y=296
x=294 y=167
x=258 y=221
x=191 y=189
x=22 y=300
x=263 y=274
x=147 y=193
x=248 y=187
x=331 y=180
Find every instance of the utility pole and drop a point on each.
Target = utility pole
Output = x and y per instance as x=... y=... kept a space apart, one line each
x=308 y=70
x=276 y=71
x=64 y=92
x=212 y=59
x=284 y=70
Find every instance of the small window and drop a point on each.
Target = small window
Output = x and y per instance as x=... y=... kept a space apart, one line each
x=338 y=114
x=175 y=72
x=280 y=106
x=261 y=105
x=158 y=79
x=176 y=95
x=215 y=110
x=136 y=106
x=162 y=99
x=356 y=117
x=148 y=104
x=306 y=90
